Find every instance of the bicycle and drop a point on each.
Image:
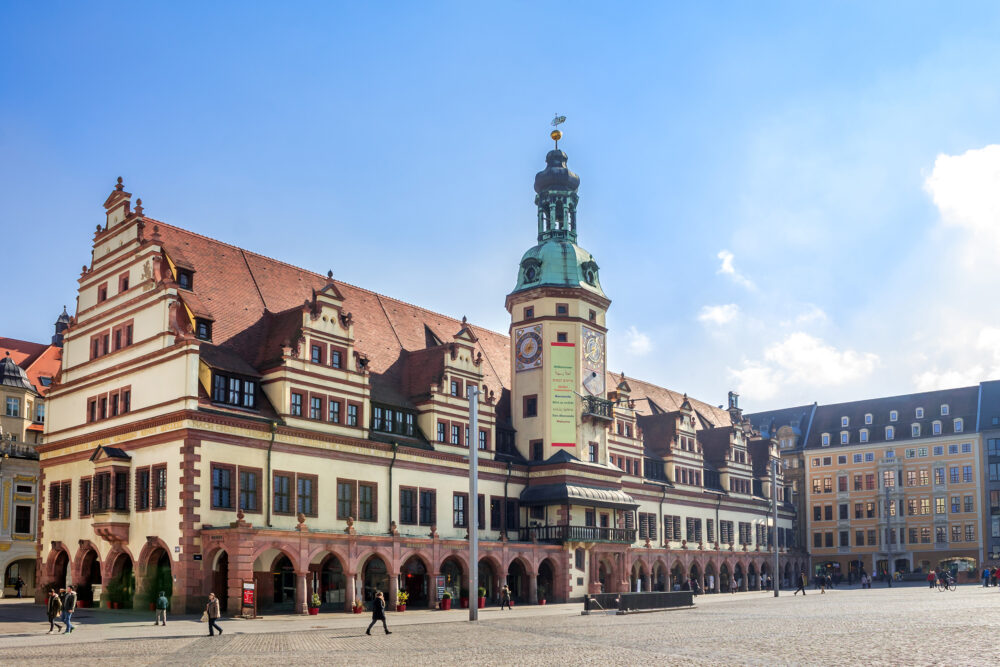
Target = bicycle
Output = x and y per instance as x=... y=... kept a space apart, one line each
x=947 y=583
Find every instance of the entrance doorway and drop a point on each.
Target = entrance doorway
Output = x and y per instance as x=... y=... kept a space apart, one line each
x=220 y=580
x=415 y=582
x=376 y=578
x=517 y=579
x=284 y=582
x=546 y=581
x=332 y=583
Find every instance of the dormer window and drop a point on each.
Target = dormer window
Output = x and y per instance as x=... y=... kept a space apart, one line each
x=844 y=437
x=845 y=422
x=915 y=430
x=958 y=424
x=893 y=415
x=236 y=391
x=203 y=329
x=944 y=409
x=868 y=419
x=936 y=428
x=826 y=439
x=920 y=413
x=185 y=279
x=864 y=435
x=890 y=432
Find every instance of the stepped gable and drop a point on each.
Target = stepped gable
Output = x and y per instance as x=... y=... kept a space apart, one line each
x=709 y=416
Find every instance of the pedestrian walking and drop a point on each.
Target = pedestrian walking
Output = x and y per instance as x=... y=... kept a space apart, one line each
x=18 y=585
x=931 y=578
x=53 y=609
x=732 y=585
x=161 y=609
x=378 y=614
x=212 y=609
x=504 y=597
x=69 y=606
x=803 y=581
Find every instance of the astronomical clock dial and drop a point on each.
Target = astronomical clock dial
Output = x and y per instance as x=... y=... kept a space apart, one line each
x=528 y=348
x=593 y=361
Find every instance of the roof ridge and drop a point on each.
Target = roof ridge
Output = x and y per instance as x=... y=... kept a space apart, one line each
x=899 y=396
x=246 y=251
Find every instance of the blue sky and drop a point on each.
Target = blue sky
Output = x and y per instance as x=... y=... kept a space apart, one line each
x=790 y=200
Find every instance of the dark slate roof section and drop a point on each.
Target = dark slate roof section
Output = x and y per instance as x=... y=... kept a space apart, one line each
x=989 y=406
x=111 y=453
x=12 y=375
x=767 y=423
x=546 y=494
x=962 y=402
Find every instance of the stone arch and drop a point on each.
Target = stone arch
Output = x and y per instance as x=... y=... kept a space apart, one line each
x=87 y=568
x=22 y=566
x=376 y=572
x=422 y=556
x=263 y=560
x=711 y=576
x=520 y=578
x=330 y=579
x=550 y=584
x=57 y=568
x=639 y=576
x=604 y=576
x=695 y=573
x=216 y=562
x=154 y=571
x=491 y=576
x=361 y=560
x=659 y=577
x=455 y=570
x=677 y=574
x=119 y=577
x=415 y=579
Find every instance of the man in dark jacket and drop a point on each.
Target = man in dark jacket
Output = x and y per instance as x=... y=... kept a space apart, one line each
x=18 y=585
x=378 y=613
x=161 y=608
x=802 y=584
x=213 y=611
x=69 y=606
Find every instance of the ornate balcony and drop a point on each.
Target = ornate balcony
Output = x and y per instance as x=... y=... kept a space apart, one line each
x=598 y=408
x=559 y=534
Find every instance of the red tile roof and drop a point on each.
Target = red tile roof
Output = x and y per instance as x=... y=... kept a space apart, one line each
x=37 y=359
x=256 y=302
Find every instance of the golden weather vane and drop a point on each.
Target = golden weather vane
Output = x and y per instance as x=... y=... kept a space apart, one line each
x=556 y=134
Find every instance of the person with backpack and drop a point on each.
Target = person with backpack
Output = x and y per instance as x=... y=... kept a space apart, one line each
x=161 y=609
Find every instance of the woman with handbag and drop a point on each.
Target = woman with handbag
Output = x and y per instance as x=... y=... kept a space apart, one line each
x=212 y=614
x=378 y=613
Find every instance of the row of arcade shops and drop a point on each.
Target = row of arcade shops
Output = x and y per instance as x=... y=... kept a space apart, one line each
x=915 y=565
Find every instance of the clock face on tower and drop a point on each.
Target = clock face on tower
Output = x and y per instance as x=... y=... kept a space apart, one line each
x=528 y=348
x=593 y=361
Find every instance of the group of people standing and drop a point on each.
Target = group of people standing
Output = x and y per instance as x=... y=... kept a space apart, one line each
x=990 y=576
x=61 y=606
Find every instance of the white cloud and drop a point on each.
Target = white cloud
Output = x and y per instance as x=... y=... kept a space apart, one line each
x=813 y=314
x=727 y=269
x=637 y=343
x=802 y=360
x=719 y=315
x=986 y=350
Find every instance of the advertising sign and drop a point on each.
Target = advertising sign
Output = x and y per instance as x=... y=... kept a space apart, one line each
x=248 y=594
x=562 y=398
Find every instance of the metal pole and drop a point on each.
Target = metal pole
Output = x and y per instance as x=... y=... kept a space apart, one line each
x=472 y=512
x=776 y=576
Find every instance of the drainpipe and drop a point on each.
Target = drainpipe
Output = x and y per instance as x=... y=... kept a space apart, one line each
x=270 y=481
x=395 y=449
x=506 y=481
x=660 y=518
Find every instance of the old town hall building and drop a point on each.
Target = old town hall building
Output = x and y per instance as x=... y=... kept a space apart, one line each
x=222 y=417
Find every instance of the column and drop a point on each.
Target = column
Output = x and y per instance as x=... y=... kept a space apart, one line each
x=390 y=597
x=532 y=588
x=301 y=601
x=350 y=590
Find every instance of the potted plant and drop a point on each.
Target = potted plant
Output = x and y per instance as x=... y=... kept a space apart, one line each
x=401 y=598
x=314 y=604
x=463 y=599
x=482 y=597
x=446 y=601
x=542 y=595
x=358 y=607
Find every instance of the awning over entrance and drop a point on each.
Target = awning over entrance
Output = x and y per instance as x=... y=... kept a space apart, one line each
x=550 y=494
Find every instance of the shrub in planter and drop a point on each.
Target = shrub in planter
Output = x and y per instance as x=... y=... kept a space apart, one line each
x=446 y=601
x=358 y=607
x=482 y=597
x=401 y=598
x=314 y=604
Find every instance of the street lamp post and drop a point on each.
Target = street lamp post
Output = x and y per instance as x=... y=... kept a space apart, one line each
x=472 y=509
x=775 y=577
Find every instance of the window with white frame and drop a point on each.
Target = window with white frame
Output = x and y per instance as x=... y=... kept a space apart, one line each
x=845 y=422
x=936 y=428
x=844 y=437
x=825 y=439
x=893 y=415
x=864 y=435
x=868 y=418
x=919 y=413
x=958 y=424
x=944 y=409
x=915 y=430
x=890 y=432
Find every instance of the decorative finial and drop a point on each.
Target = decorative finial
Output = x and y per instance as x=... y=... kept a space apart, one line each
x=556 y=134
x=138 y=206
x=329 y=274
x=464 y=319
x=120 y=185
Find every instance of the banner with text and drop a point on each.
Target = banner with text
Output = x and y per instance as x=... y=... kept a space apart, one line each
x=562 y=384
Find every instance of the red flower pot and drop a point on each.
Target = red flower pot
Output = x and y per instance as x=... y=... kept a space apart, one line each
x=313 y=611
x=463 y=603
x=116 y=605
x=446 y=604
x=358 y=610
x=400 y=607
x=482 y=603
x=541 y=602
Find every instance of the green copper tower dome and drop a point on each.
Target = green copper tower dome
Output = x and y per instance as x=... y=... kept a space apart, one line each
x=557 y=261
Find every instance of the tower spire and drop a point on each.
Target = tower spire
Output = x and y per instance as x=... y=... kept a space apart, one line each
x=555 y=188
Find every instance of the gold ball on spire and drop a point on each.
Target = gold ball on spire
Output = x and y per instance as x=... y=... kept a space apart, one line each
x=556 y=135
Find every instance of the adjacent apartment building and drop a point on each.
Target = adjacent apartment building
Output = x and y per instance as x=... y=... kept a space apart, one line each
x=892 y=484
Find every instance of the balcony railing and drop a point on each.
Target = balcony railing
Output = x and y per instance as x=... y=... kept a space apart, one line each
x=17 y=451
x=577 y=534
x=598 y=408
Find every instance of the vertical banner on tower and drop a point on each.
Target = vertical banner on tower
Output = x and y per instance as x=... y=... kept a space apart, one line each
x=562 y=397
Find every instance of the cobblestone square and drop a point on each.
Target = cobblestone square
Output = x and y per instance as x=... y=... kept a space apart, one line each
x=900 y=626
